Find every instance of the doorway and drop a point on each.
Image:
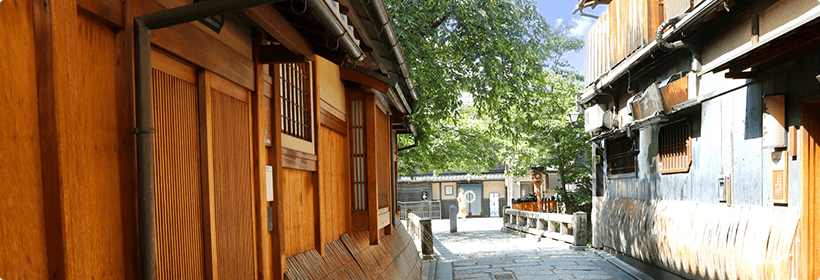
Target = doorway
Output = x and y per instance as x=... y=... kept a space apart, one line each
x=473 y=195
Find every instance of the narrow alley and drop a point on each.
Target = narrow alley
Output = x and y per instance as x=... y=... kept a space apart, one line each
x=481 y=250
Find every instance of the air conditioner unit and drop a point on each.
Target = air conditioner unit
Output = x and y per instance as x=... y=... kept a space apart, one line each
x=596 y=119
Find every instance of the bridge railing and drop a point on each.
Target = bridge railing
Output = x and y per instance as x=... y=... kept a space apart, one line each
x=571 y=229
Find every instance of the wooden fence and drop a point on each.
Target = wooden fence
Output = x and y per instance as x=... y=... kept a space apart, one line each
x=571 y=229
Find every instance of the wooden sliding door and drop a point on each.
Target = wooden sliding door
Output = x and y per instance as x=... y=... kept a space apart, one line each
x=177 y=187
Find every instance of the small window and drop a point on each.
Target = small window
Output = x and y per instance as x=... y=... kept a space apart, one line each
x=618 y=157
x=675 y=147
x=358 y=159
x=296 y=100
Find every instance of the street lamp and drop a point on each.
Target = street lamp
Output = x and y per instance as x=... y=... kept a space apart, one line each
x=572 y=117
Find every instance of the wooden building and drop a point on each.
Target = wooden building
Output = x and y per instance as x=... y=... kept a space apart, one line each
x=485 y=193
x=705 y=122
x=193 y=139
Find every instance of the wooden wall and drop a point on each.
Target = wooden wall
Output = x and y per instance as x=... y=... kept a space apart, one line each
x=22 y=235
x=335 y=184
x=69 y=150
x=626 y=26
x=298 y=202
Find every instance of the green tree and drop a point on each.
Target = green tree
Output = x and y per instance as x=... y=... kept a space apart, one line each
x=492 y=83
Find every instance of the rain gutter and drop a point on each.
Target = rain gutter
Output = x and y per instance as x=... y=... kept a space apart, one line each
x=378 y=12
x=340 y=31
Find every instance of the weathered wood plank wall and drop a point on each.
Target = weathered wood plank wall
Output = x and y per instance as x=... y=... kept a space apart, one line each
x=626 y=26
x=701 y=239
x=21 y=211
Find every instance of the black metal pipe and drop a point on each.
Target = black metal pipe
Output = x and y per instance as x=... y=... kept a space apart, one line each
x=144 y=113
x=145 y=152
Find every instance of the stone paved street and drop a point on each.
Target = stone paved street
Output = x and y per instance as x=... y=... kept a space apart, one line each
x=480 y=250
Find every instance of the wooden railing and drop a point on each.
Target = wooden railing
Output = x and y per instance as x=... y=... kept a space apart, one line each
x=571 y=229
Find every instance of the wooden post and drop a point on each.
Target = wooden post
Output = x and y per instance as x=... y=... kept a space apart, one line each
x=426 y=238
x=263 y=240
x=372 y=162
x=453 y=219
x=579 y=231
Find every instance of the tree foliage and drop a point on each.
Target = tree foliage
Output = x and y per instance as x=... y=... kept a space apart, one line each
x=493 y=87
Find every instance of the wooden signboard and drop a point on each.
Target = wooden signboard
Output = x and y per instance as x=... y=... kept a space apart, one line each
x=780 y=177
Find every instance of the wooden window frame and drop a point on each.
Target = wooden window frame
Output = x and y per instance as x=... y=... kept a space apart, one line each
x=298 y=147
x=675 y=147
x=613 y=154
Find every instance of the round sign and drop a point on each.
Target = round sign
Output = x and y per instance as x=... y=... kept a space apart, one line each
x=469 y=196
x=424 y=195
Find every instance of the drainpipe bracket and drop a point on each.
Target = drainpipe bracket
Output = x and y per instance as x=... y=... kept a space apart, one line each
x=138 y=131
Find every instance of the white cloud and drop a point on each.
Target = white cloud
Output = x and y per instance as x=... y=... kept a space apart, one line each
x=558 y=21
x=582 y=25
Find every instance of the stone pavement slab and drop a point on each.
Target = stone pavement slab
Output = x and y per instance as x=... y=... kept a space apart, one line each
x=481 y=250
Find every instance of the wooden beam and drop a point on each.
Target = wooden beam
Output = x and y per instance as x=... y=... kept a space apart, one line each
x=371 y=168
x=263 y=237
x=272 y=22
x=207 y=173
x=319 y=189
x=269 y=54
x=275 y=158
x=105 y=11
x=366 y=77
x=187 y=41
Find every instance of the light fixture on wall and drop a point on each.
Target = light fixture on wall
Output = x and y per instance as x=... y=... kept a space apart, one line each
x=818 y=78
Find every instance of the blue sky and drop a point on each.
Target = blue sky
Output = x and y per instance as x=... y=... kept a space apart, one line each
x=560 y=12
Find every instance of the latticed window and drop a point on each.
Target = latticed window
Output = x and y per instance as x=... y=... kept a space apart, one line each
x=294 y=91
x=357 y=154
x=618 y=157
x=675 y=147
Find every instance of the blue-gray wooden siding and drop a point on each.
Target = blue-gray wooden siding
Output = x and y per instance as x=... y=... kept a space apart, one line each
x=726 y=134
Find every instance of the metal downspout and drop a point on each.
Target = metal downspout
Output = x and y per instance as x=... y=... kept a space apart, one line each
x=666 y=46
x=144 y=113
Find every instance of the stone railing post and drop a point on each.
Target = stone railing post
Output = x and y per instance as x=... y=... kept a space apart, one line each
x=427 y=238
x=579 y=231
x=453 y=219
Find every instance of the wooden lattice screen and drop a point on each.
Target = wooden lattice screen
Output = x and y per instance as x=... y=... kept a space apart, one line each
x=357 y=154
x=675 y=147
x=295 y=94
x=619 y=160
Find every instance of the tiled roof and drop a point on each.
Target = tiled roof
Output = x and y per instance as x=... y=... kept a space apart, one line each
x=452 y=178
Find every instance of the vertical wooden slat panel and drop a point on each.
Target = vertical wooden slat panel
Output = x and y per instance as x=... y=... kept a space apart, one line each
x=298 y=211
x=233 y=204
x=809 y=243
x=177 y=170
